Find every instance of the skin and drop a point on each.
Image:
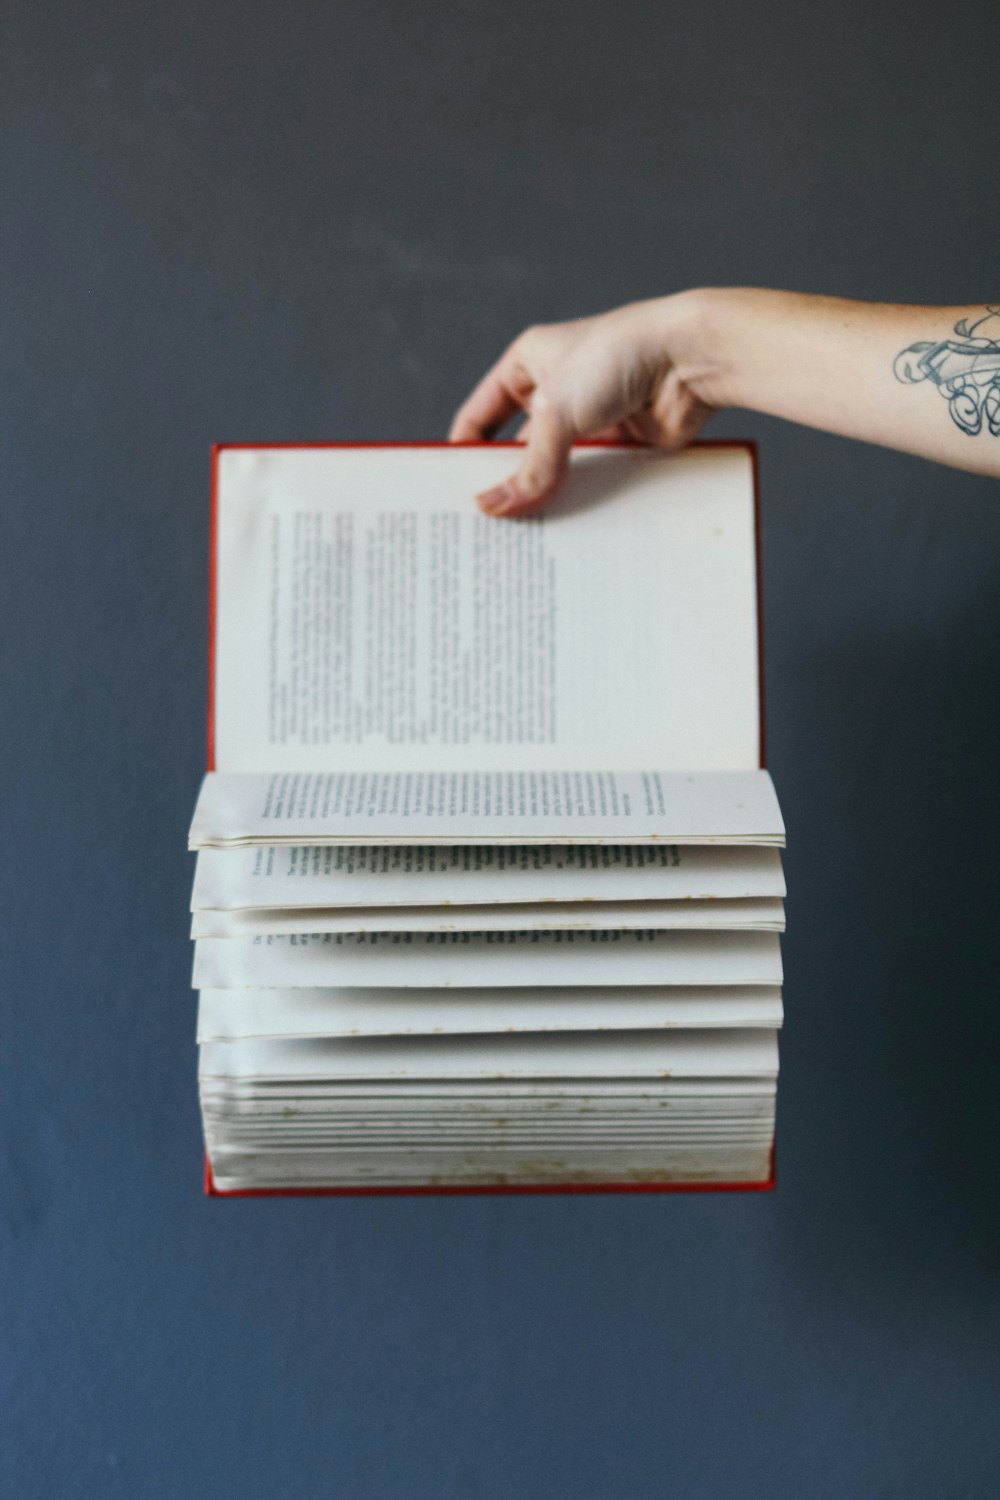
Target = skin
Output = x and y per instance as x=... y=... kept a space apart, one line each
x=658 y=371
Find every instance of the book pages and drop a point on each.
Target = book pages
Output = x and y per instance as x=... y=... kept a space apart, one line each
x=232 y=1015
x=445 y=960
x=489 y=886
x=662 y=1165
x=368 y=615
x=327 y=876
x=649 y=807
x=733 y=1054
x=595 y=916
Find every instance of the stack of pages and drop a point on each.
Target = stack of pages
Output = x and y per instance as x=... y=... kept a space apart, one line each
x=488 y=887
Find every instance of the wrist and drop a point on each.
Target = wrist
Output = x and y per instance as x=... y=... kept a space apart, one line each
x=706 y=333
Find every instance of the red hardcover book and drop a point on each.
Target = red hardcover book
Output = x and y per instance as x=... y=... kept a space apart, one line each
x=296 y=719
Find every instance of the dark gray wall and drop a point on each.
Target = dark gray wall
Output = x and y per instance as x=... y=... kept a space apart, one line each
x=320 y=221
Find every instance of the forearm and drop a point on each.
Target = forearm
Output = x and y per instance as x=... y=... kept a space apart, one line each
x=836 y=365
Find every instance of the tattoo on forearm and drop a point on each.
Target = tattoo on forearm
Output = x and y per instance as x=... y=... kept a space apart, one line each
x=965 y=369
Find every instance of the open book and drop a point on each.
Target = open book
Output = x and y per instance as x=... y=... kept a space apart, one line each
x=488 y=889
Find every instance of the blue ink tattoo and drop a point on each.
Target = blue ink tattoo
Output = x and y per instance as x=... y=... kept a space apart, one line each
x=965 y=369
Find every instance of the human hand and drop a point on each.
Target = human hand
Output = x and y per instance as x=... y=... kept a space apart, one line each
x=636 y=374
x=655 y=372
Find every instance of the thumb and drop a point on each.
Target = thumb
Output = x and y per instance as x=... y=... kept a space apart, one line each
x=543 y=467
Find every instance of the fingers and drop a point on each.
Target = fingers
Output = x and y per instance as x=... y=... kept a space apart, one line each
x=620 y=432
x=543 y=467
x=501 y=394
x=487 y=409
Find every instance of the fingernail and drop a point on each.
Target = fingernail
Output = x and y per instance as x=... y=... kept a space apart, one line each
x=501 y=500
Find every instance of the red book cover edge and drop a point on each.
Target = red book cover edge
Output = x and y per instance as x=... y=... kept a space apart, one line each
x=769 y=1182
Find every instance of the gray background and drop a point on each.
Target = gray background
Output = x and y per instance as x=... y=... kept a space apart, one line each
x=321 y=221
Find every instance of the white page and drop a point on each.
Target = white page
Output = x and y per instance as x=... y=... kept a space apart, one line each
x=740 y=1053
x=293 y=875
x=498 y=1129
x=368 y=616
x=484 y=1137
x=226 y=1015
x=337 y=1103
x=499 y=1134
x=331 y=1111
x=237 y=1172
x=491 y=1136
x=498 y=1124
x=443 y=960
x=233 y=1170
x=488 y=1135
x=480 y=1093
x=716 y=916
x=710 y=807
x=334 y=1110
